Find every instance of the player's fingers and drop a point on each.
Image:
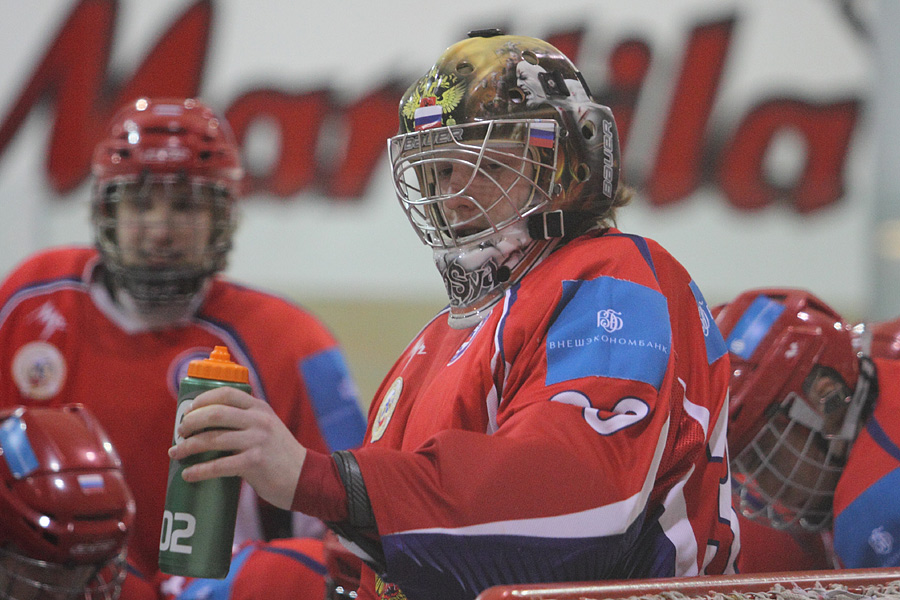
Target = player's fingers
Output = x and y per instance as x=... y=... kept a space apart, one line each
x=222 y=440
x=214 y=416
x=223 y=395
x=225 y=466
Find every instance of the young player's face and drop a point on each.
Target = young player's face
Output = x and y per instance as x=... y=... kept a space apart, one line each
x=487 y=196
x=163 y=224
x=797 y=466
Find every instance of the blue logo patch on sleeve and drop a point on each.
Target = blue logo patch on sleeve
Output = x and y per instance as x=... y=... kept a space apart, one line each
x=715 y=345
x=607 y=327
x=17 y=450
x=334 y=399
x=753 y=326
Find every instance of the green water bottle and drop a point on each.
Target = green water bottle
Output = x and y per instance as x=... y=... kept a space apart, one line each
x=199 y=518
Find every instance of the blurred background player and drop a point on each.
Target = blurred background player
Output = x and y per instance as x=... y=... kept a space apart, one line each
x=115 y=326
x=65 y=509
x=799 y=396
x=564 y=419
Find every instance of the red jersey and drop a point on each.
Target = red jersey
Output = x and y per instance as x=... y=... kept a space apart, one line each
x=577 y=433
x=284 y=569
x=63 y=340
x=765 y=549
x=867 y=514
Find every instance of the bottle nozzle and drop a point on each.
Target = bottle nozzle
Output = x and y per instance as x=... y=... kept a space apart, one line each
x=219 y=366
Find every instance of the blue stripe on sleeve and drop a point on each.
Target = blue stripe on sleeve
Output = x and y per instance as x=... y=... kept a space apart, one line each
x=715 y=345
x=334 y=399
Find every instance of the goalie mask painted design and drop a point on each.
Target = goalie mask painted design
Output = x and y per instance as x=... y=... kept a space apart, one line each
x=165 y=179
x=501 y=156
x=798 y=396
x=65 y=509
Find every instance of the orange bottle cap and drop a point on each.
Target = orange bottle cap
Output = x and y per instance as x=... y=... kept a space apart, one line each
x=219 y=367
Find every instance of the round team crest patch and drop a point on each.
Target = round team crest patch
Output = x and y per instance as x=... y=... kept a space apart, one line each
x=178 y=367
x=386 y=410
x=39 y=370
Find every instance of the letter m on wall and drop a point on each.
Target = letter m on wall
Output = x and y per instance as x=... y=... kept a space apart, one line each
x=73 y=73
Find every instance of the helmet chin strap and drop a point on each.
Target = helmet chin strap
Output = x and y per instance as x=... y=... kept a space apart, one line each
x=155 y=314
x=159 y=316
x=559 y=224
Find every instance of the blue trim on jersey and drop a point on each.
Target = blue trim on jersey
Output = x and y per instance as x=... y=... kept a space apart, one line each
x=642 y=247
x=715 y=345
x=753 y=326
x=333 y=396
x=608 y=327
x=244 y=356
x=501 y=326
x=17 y=450
x=307 y=561
x=37 y=289
x=439 y=566
x=867 y=532
x=217 y=589
x=880 y=437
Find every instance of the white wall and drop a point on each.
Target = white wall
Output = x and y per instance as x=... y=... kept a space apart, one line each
x=312 y=245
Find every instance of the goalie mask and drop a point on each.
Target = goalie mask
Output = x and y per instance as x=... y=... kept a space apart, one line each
x=502 y=155
x=165 y=178
x=799 y=394
x=65 y=509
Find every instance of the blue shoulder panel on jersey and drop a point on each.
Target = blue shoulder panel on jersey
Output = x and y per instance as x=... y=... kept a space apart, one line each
x=334 y=399
x=866 y=532
x=715 y=345
x=753 y=326
x=608 y=327
x=17 y=450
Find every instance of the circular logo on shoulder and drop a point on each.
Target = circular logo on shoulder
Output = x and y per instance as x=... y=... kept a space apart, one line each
x=39 y=370
x=386 y=410
x=178 y=367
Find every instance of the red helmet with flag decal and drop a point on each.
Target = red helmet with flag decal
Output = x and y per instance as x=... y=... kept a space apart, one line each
x=502 y=153
x=798 y=395
x=65 y=509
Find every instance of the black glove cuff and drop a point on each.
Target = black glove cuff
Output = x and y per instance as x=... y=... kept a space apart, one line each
x=360 y=514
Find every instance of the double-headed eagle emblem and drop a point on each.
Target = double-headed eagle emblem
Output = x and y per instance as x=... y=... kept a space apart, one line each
x=445 y=91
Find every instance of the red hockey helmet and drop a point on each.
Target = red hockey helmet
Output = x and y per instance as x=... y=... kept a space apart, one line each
x=182 y=150
x=64 y=505
x=796 y=375
x=165 y=136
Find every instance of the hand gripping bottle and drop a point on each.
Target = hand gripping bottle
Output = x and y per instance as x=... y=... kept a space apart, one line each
x=199 y=518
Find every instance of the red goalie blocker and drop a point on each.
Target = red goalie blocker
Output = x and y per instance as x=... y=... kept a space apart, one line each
x=872 y=583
